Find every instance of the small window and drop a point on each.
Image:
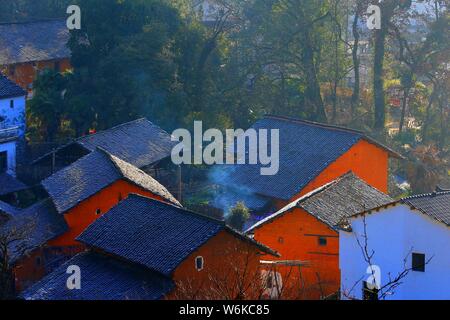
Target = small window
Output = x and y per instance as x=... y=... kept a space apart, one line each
x=3 y=161
x=199 y=263
x=281 y=240
x=11 y=104
x=38 y=261
x=323 y=241
x=98 y=212
x=369 y=294
x=418 y=262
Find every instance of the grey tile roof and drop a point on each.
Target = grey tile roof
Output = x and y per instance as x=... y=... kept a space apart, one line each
x=33 y=41
x=306 y=149
x=138 y=142
x=36 y=225
x=9 y=89
x=436 y=205
x=92 y=173
x=154 y=234
x=8 y=209
x=103 y=278
x=335 y=201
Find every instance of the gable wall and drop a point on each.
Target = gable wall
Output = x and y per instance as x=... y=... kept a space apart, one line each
x=84 y=214
x=295 y=235
x=394 y=234
x=369 y=162
x=226 y=259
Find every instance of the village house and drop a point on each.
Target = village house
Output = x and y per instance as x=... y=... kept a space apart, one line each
x=24 y=234
x=311 y=155
x=407 y=241
x=79 y=194
x=306 y=231
x=29 y=47
x=12 y=124
x=92 y=185
x=144 y=249
x=140 y=143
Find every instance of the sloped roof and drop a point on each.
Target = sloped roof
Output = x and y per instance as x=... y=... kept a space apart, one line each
x=436 y=205
x=306 y=149
x=335 y=201
x=153 y=234
x=138 y=142
x=34 y=226
x=8 y=209
x=33 y=41
x=9 y=89
x=91 y=174
x=103 y=278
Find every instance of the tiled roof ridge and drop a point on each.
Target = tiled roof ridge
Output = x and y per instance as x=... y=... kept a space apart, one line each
x=183 y=209
x=125 y=124
x=314 y=123
x=362 y=134
x=426 y=195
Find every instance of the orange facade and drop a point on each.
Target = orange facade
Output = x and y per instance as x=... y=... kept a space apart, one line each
x=299 y=236
x=367 y=161
x=25 y=73
x=231 y=271
x=35 y=266
x=85 y=213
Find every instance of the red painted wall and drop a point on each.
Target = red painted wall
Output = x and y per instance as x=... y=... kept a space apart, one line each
x=25 y=73
x=84 y=214
x=369 y=162
x=295 y=235
x=31 y=268
x=229 y=264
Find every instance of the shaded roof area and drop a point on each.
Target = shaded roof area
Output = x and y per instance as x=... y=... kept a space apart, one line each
x=103 y=278
x=153 y=234
x=33 y=41
x=436 y=205
x=9 y=184
x=9 y=89
x=138 y=142
x=306 y=149
x=91 y=174
x=31 y=228
x=335 y=201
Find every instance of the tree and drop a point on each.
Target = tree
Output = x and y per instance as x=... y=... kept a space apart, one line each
x=239 y=215
x=47 y=105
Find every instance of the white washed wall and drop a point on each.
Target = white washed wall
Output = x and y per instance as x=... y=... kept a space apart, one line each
x=393 y=233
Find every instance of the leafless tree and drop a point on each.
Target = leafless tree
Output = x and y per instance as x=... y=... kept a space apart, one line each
x=394 y=280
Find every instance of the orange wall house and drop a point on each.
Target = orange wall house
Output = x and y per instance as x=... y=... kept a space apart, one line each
x=94 y=184
x=83 y=215
x=24 y=74
x=306 y=231
x=232 y=271
x=296 y=237
x=368 y=161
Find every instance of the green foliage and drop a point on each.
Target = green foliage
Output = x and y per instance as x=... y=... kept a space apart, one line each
x=239 y=215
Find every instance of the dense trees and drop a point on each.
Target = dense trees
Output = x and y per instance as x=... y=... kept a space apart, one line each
x=310 y=59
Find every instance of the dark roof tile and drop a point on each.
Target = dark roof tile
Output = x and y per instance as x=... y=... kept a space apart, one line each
x=9 y=89
x=335 y=201
x=33 y=41
x=92 y=173
x=306 y=149
x=103 y=278
x=436 y=205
